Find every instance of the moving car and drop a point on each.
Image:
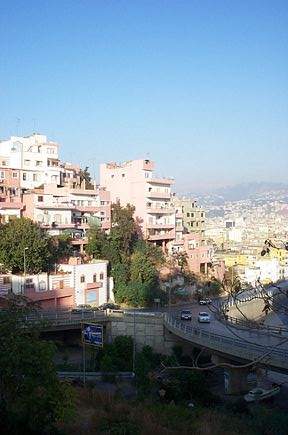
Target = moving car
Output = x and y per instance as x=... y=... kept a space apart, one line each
x=261 y=393
x=203 y=317
x=186 y=315
x=204 y=301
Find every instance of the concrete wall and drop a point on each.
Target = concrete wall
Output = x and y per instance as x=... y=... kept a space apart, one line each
x=253 y=310
x=149 y=330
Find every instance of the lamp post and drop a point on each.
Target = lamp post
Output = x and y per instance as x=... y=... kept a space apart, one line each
x=24 y=255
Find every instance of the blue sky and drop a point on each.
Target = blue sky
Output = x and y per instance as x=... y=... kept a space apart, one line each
x=201 y=87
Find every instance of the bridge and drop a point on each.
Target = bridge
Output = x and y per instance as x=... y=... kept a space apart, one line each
x=264 y=345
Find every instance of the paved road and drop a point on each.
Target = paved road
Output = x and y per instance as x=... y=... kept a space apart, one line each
x=221 y=328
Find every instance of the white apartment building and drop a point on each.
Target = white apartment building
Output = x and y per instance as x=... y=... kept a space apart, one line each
x=35 y=157
x=134 y=183
x=73 y=284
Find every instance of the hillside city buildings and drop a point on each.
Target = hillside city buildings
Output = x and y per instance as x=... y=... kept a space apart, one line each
x=36 y=184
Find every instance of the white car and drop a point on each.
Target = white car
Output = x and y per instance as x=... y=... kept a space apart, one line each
x=203 y=317
x=186 y=315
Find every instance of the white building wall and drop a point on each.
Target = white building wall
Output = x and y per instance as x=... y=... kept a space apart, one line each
x=88 y=271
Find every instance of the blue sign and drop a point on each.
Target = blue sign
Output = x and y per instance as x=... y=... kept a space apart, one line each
x=92 y=334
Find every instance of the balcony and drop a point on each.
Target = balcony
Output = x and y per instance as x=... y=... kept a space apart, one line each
x=160 y=226
x=55 y=205
x=11 y=205
x=169 y=235
x=160 y=210
x=87 y=208
x=158 y=195
x=166 y=181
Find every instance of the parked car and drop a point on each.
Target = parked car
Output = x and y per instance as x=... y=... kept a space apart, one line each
x=261 y=394
x=203 y=317
x=83 y=308
x=109 y=306
x=186 y=315
x=205 y=301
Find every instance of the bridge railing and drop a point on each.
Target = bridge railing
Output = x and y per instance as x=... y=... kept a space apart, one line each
x=227 y=345
x=250 y=324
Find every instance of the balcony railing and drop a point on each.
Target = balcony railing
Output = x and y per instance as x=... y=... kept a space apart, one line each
x=160 y=210
x=160 y=226
x=164 y=236
x=160 y=195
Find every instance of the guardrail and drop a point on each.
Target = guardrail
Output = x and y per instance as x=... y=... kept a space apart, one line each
x=94 y=375
x=241 y=349
x=250 y=324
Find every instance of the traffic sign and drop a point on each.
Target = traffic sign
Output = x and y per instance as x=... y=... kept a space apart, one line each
x=92 y=334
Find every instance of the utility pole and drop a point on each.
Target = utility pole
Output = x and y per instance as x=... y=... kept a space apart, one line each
x=134 y=342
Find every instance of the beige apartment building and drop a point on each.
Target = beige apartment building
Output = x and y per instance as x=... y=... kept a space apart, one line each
x=134 y=183
x=192 y=216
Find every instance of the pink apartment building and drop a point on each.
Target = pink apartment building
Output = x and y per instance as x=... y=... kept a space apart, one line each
x=63 y=208
x=134 y=183
x=10 y=193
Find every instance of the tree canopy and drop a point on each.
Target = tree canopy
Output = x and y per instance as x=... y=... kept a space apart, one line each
x=32 y=398
x=21 y=239
x=133 y=261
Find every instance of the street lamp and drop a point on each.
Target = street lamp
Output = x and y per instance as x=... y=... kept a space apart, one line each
x=24 y=255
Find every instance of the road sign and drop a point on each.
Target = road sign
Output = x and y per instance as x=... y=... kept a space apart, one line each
x=92 y=334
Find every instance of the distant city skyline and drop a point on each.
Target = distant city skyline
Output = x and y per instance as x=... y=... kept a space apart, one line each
x=198 y=87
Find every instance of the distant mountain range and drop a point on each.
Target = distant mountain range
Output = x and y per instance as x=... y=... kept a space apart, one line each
x=241 y=191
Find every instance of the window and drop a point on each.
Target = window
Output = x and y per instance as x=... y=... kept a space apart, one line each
x=112 y=176
x=42 y=286
x=29 y=285
x=82 y=278
x=91 y=297
x=24 y=176
x=101 y=275
x=14 y=175
x=40 y=198
x=188 y=214
x=61 y=284
x=102 y=202
x=7 y=280
x=2 y=174
x=123 y=175
x=3 y=162
x=38 y=163
x=35 y=177
x=94 y=277
x=26 y=162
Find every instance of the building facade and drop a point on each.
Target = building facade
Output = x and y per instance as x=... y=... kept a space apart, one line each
x=134 y=183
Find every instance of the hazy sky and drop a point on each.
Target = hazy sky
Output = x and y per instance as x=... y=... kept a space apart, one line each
x=201 y=87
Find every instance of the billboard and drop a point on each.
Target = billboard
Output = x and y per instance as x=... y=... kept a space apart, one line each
x=92 y=334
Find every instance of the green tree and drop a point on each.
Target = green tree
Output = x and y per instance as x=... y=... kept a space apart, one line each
x=61 y=247
x=97 y=242
x=20 y=234
x=125 y=231
x=32 y=398
x=85 y=176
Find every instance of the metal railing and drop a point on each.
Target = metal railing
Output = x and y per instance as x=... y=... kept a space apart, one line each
x=242 y=349
x=258 y=325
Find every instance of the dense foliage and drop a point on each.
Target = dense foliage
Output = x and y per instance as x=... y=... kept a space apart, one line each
x=134 y=262
x=32 y=399
x=23 y=238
